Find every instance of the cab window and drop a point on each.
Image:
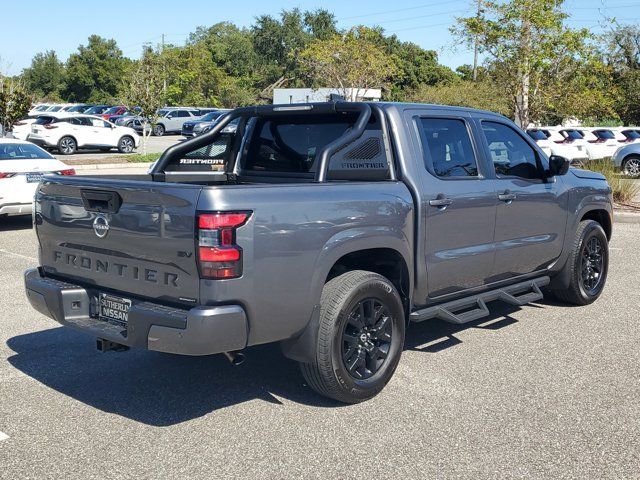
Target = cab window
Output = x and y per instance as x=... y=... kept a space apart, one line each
x=511 y=155
x=447 y=147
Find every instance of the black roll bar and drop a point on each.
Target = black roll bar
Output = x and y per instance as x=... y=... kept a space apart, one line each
x=364 y=110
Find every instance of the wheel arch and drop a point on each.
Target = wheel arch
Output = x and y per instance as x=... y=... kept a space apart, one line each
x=602 y=217
x=385 y=254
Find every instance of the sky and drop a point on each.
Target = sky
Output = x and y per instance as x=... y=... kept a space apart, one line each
x=28 y=27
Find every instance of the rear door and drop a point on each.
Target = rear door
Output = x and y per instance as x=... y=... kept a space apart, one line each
x=127 y=237
x=459 y=204
x=531 y=212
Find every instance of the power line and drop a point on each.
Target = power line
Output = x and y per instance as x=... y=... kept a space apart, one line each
x=401 y=10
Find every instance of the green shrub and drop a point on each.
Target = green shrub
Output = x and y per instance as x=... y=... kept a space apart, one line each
x=624 y=189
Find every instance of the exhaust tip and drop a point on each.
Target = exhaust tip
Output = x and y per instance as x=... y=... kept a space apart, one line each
x=235 y=358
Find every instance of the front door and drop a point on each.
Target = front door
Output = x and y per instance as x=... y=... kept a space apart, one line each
x=531 y=213
x=459 y=207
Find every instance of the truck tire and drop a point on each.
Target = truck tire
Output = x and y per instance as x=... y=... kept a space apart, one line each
x=360 y=337
x=587 y=265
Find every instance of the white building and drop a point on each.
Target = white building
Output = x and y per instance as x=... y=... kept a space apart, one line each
x=308 y=95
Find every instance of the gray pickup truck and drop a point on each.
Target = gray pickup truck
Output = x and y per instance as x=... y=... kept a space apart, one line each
x=326 y=227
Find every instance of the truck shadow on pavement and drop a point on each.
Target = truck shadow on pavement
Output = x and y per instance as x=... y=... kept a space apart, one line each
x=161 y=389
x=21 y=222
x=155 y=388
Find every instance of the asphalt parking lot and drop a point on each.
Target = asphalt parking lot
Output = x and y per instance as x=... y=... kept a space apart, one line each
x=545 y=391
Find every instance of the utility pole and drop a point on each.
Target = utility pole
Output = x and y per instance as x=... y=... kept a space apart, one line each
x=475 y=47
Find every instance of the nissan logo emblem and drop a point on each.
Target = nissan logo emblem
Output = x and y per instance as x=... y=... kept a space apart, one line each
x=101 y=226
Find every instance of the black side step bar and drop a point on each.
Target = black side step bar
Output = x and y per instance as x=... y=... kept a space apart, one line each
x=475 y=307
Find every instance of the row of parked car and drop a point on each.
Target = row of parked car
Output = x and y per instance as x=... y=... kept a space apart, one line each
x=584 y=144
x=70 y=127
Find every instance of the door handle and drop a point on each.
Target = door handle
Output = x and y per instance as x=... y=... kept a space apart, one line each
x=440 y=202
x=507 y=196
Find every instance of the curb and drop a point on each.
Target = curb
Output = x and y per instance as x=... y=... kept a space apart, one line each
x=626 y=217
x=111 y=166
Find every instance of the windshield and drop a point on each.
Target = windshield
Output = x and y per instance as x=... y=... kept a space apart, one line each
x=21 y=151
x=537 y=134
x=54 y=109
x=606 y=134
x=210 y=116
x=94 y=110
x=76 y=108
x=111 y=110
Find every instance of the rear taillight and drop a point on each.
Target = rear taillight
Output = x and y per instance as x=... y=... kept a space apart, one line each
x=49 y=126
x=218 y=255
x=69 y=171
x=598 y=140
x=6 y=175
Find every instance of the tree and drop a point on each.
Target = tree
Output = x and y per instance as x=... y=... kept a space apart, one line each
x=96 y=72
x=484 y=95
x=45 y=77
x=144 y=91
x=621 y=49
x=524 y=39
x=15 y=102
x=278 y=43
x=346 y=62
x=414 y=66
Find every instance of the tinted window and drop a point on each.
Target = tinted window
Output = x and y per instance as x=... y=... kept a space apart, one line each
x=20 y=151
x=111 y=111
x=448 y=147
x=210 y=116
x=510 y=153
x=182 y=114
x=631 y=134
x=606 y=134
x=282 y=144
x=573 y=134
x=44 y=120
x=537 y=134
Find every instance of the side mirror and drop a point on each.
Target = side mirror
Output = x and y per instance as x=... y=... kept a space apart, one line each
x=558 y=165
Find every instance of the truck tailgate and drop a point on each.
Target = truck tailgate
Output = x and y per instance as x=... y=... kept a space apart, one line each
x=117 y=235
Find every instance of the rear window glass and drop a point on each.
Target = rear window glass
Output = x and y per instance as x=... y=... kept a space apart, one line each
x=290 y=145
x=631 y=134
x=574 y=134
x=21 y=151
x=44 y=120
x=537 y=134
x=608 y=134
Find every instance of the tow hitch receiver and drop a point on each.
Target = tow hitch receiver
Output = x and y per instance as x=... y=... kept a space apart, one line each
x=107 y=345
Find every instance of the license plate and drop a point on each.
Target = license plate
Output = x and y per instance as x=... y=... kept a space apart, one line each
x=34 y=177
x=114 y=309
x=580 y=148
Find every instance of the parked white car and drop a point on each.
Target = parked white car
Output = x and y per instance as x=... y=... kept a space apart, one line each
x=601 y=142
x=22 y=165
x=38 y=108
x=75 y=132
x=553 y=143
x=22 y=128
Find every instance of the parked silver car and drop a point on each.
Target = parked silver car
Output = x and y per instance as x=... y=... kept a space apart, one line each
x=171 y=120
x=627 y=159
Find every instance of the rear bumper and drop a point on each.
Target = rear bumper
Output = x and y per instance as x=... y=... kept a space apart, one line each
x=198 y=331
x=16 y=208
